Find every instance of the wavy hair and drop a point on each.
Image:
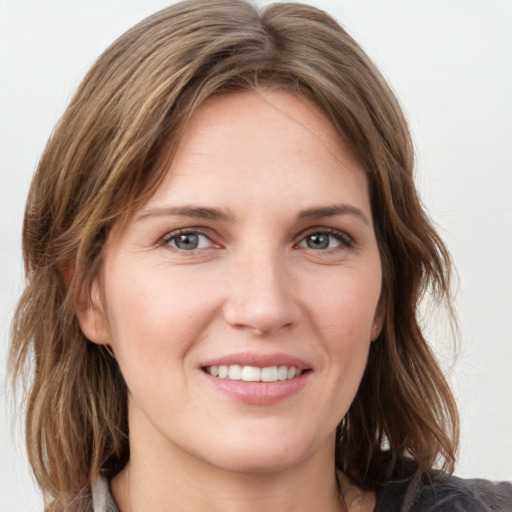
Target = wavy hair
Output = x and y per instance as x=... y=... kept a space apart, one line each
x=104 y=160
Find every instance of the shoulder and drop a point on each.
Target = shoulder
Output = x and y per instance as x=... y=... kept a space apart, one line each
x=407 y=491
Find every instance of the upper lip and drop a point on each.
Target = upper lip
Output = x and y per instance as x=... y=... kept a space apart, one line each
x=259 y=360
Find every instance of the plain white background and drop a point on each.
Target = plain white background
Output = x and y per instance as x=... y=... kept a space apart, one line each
x=450 y=64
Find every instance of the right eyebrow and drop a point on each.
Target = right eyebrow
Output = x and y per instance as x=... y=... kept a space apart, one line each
x=197 y=212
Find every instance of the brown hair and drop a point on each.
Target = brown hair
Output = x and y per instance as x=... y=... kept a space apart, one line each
x=101 y=163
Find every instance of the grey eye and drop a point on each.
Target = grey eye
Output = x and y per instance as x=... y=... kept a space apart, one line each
x=188 y=241
x=318 y=241
x=323 y=240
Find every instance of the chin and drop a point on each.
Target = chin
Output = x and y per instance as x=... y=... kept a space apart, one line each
x=267 y=452
x=258 y=463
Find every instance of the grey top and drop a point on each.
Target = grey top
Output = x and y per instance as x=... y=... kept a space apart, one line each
x=435 y=492
x=102 y=500
x=440 y=492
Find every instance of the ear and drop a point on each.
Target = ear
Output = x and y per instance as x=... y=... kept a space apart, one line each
x=378 y=319
x=91 y=314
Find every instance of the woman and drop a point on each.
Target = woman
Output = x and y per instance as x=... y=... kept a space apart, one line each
x=225 y=251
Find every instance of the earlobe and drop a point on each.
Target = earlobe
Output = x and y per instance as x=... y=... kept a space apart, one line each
x=91 y=316
x=376 y=329
x=378 y=319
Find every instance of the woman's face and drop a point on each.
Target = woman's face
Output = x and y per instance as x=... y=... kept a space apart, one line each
x=240 y=301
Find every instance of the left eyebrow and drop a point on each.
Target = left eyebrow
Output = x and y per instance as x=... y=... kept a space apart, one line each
x=335 y=209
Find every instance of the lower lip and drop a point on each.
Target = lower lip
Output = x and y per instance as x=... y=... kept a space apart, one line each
x=259 y=393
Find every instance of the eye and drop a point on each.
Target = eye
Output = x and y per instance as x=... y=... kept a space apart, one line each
x=325 y=240
x=187 y=240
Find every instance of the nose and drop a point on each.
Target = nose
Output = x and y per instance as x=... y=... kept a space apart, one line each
x=261 y=295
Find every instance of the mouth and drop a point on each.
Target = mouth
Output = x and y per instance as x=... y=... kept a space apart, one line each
x=258 y=379
x=254 y=373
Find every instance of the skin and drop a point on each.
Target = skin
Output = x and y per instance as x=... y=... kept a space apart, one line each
x=259 y=283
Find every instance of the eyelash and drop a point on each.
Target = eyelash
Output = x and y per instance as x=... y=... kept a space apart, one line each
x=345 y=241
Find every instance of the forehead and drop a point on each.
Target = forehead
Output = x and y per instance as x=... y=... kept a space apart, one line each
x=259 y=145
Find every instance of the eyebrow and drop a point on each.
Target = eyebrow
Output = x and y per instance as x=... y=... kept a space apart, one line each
x=197 y=212
x=205 y=212
x=336 y=209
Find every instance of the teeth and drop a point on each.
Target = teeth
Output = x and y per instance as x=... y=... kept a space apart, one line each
x=269 y=374
x=254 y=373
x=282 y=373
x=251 y=374
x=235 y=372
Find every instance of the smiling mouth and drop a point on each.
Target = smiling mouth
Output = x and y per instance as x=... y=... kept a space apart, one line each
x=254 y=373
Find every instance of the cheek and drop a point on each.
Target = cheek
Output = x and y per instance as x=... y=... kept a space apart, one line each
x=345 y=309
x=153 y=317
x=344 y=315
x=152 y=329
